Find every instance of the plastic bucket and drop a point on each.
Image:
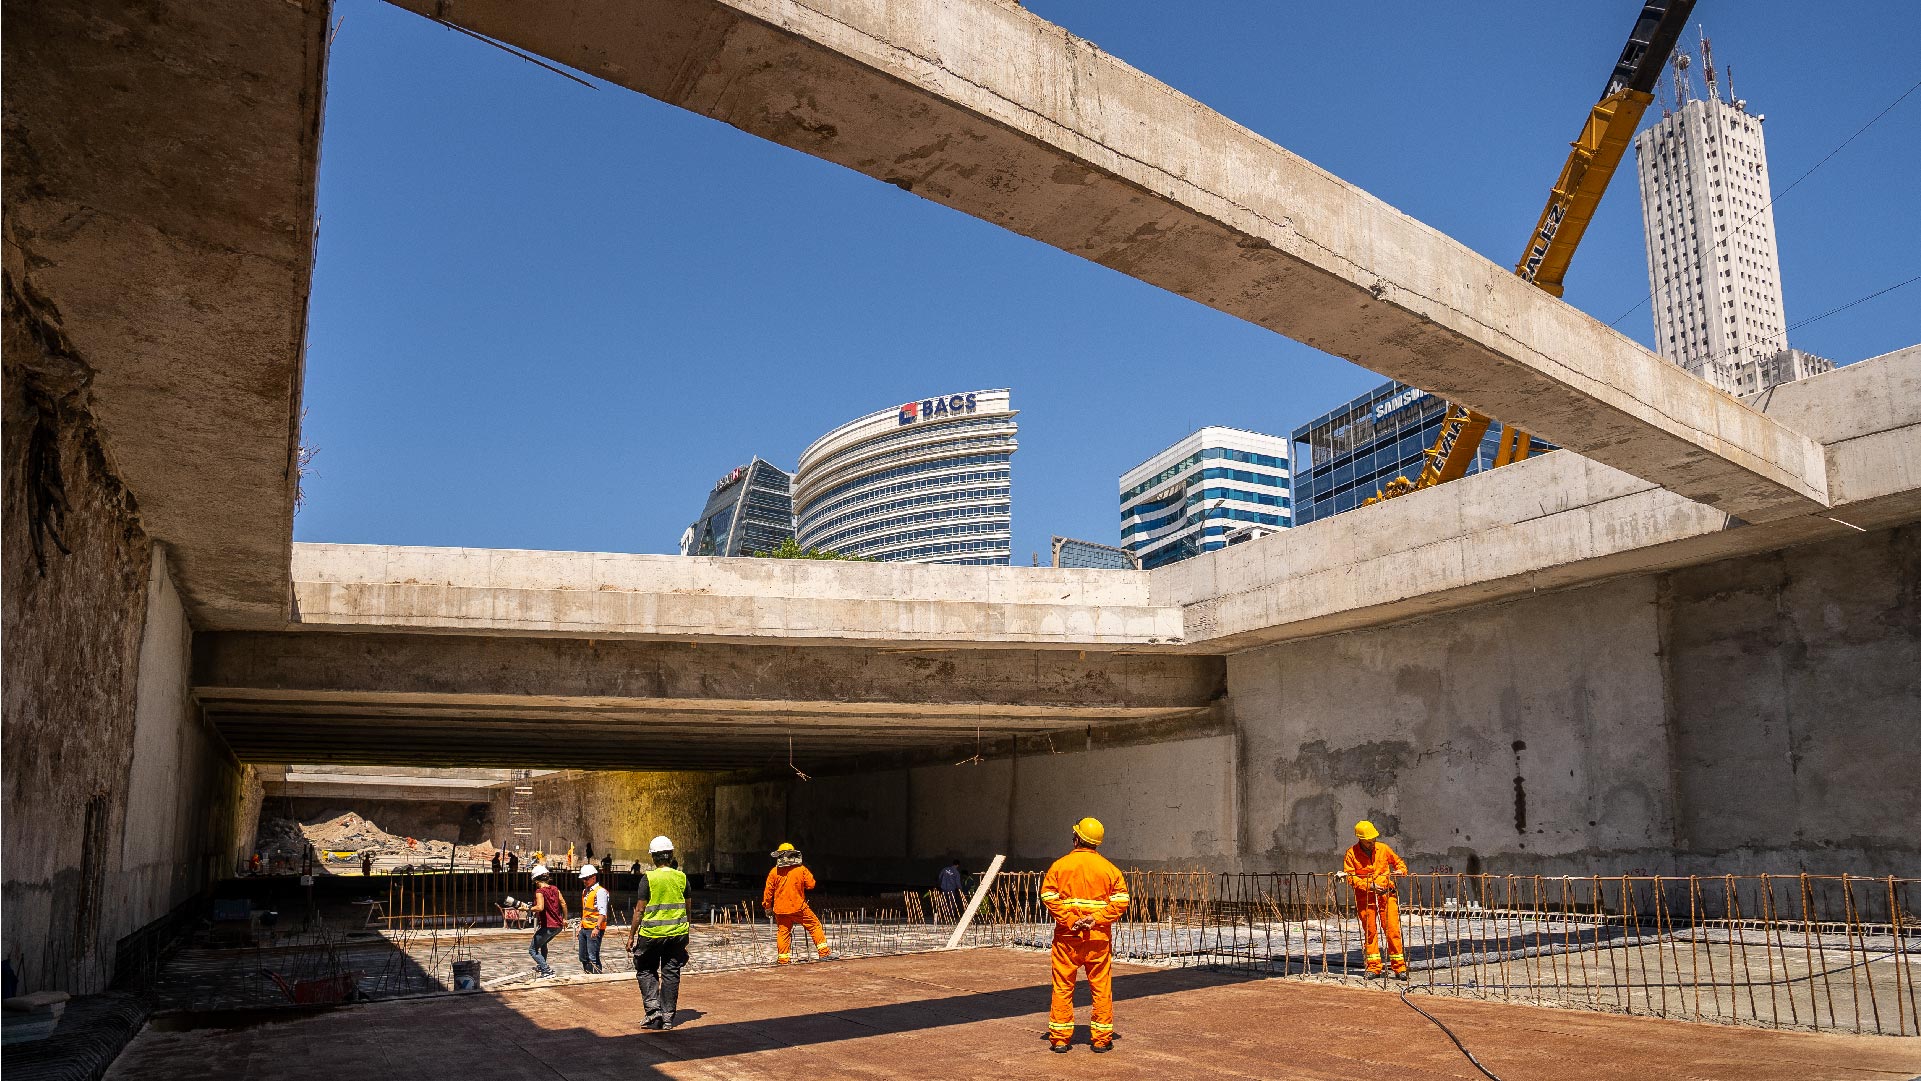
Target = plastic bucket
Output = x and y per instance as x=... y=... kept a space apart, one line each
x=466 y=975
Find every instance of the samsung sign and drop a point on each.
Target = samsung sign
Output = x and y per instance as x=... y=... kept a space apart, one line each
x=1400 y=401
x=936 y=407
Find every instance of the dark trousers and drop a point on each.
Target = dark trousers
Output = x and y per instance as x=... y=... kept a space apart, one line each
x=590 y=949
x=538 y=951
x=657 y=965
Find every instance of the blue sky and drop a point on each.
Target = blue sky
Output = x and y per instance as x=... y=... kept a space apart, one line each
x=547 y=316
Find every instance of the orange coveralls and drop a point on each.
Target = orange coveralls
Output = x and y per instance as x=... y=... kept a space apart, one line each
x=786 y=897
x=1377 y=905
x=1082 y=883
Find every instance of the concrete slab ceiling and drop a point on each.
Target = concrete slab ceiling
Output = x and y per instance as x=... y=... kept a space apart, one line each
x=443 y=699
x=160 y=168
x=991 y=110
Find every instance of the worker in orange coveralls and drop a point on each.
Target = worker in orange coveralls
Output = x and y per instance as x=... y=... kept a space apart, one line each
x=786 y=897
x=1370 y=867
x=1086 y=894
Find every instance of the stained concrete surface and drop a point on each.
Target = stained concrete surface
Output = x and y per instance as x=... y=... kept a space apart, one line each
x=161 y=161
x=980 y=1013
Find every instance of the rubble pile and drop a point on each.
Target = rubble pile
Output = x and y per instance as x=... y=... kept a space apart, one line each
x=287 y=839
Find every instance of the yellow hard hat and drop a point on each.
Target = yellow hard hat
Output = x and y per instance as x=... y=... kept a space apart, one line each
x=1365 y=830
x=1091 y=831
x=784 y=847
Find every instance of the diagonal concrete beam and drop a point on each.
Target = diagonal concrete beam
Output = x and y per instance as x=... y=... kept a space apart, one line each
x=986 y=108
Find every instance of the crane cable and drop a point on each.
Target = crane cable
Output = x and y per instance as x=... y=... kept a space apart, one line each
x=1490 y=1074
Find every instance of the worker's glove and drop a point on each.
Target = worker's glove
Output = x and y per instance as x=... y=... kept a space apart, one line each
x=1383 y=884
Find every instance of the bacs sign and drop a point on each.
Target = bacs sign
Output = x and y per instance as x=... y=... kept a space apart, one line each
x=935 y=407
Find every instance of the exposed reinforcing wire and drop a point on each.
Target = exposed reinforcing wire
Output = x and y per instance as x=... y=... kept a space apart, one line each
x=1450 y=1035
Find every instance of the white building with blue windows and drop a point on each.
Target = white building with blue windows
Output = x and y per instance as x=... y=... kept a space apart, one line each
x=1186 y=499
x=921 y=482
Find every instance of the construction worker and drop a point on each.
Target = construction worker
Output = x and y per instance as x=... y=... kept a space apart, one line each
x=657 y=937
x=595 y=904
x=366 y=864
x=1086 y=894
x=786 y=897
x=1370 y=867
x=550 y=915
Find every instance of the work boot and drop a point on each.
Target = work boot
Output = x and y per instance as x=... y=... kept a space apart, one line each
x=1103 y=1047
x=1059 y=1047
x=1401 y=976
x=654 y=1023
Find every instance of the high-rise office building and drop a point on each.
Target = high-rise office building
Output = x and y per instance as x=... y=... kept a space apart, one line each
x=1184 y=500
x=749 y=510
x=1354 y=449
x=922 y=482
x=1713 y=268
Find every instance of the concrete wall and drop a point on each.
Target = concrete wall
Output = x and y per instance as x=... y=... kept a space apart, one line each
x=619 y=812
x=72 y=653
x=1165 y=804
x=119 y=803
x=184 y=791
x=1753 y=714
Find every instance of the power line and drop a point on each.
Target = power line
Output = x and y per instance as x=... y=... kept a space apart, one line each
x=1776 y=197
x=1817 y=318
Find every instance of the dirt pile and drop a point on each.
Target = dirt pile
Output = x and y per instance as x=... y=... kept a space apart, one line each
x=287 y=839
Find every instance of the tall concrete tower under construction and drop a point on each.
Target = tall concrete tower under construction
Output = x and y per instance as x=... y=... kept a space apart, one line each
x=1713 y=268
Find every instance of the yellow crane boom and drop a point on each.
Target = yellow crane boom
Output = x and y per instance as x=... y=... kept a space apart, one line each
x=1596 y=153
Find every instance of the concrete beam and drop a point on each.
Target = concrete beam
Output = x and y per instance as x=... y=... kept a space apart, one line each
x=160 y=169
x=356 y=789
x=1547 y=523
x=479 y=591
x=568 y=702
x=991 y=110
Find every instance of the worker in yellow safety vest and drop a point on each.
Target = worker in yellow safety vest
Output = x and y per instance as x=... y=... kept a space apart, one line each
x=658 y=935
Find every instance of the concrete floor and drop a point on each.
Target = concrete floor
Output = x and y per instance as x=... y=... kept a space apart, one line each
x=980 y=1013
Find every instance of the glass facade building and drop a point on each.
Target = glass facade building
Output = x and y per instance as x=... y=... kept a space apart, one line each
x=1185 y=500
x=1087 y=555
x=1383 y=434
x=922 y=482
x=750 y=510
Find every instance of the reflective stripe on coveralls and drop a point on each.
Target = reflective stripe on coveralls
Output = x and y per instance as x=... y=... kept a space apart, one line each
x=785 y=896
x=1080 y=884
x=1379 y=909
x=666 y=913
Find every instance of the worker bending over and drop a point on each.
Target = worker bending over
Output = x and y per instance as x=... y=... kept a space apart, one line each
x=657 y=937
x=786 y=897
x=1086 y=894
x=1370 y=867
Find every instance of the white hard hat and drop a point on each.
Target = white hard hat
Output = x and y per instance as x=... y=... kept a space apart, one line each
x=538 y=870
x=588 y=870
x=660 y=844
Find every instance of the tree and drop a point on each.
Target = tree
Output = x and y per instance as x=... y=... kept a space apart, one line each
x=791 y=549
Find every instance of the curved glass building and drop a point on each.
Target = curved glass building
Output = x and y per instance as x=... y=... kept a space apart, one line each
x=922 y=482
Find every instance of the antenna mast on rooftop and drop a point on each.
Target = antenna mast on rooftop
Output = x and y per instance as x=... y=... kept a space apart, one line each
x=1681 y=82
x=1707 y=64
